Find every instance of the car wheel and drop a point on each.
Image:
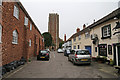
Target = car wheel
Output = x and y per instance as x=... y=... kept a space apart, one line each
x=74 y=62
x=89 y=63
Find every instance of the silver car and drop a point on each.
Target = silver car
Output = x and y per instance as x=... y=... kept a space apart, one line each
x=80 y=57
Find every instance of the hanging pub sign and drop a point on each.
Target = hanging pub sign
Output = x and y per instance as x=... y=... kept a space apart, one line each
x=117 y=27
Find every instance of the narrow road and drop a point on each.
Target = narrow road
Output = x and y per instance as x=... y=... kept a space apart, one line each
x=59 y=67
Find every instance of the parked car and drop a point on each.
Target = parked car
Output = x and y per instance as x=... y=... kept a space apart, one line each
x=67 y=52
x=80 y=57
x=43 y=54
x=60 y=50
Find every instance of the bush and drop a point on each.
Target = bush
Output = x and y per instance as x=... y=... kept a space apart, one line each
x=111 y=62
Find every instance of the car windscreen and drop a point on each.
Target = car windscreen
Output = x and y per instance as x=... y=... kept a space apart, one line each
x=68 y=51
x=44 y=52
x=83 y=52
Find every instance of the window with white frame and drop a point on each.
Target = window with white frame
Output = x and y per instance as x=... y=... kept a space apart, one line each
x=15 y=37
x=87 y=35
x=106 y=31
x=26 y=21
x=74 y=39
x=74 y=47
x=0 y=33
x=0 y=2
x=30 y=42
x=30 y=26
x=16 y=12
x=79 y=37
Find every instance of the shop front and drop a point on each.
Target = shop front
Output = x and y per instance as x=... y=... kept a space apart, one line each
x=116 y=54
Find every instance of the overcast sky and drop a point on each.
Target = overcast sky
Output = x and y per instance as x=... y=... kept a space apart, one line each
x=72 y=13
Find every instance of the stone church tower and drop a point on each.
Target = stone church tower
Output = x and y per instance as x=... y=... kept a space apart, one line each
x=53 y=28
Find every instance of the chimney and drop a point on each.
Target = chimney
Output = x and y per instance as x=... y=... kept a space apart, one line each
x=84 y=26
x=78 y=29
x=65 y=38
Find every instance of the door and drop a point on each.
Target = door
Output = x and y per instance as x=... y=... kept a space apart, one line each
x=118 y=48
x=88 y=48
x=114 y=48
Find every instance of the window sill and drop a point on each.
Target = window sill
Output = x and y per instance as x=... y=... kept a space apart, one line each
x=106 y=37
x=16 y=17
x=14 y=43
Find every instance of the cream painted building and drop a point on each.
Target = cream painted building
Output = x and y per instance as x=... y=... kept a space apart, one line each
x=101 y=38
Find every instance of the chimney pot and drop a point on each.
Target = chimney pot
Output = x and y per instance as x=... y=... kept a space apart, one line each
x=84 y=26
x=65 y=38
x=78 y=29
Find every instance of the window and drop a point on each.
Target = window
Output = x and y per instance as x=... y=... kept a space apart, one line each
x=0 y=2
x=110 y=49
x=106 y=31
x=74 y=47
x=87 y=35
x=74 y=39
x=30 y=26
x=15 y=37
x=95 y=49
x=26 y=21
x=0 y=33
x=30 y=42
x=79 y=37
x=16 y=12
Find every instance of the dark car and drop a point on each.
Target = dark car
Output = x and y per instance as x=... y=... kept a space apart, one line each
x=67 y=52
x=43 y=55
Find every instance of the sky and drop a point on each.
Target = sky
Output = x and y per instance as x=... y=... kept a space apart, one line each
x=72 y=13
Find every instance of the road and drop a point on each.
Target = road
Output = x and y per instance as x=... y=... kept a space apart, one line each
x=59 y=67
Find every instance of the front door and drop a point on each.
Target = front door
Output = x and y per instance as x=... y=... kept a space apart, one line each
x=114 y=54
x=118 y=48
x=88 y=48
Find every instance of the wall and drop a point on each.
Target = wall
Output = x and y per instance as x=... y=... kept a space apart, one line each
x=12 y=52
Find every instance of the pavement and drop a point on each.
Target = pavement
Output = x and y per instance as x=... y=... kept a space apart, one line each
x=59 y=67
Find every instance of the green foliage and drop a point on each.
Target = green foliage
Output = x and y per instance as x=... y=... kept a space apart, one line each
x=47 y=39
x=60 y=44
x=111 y=62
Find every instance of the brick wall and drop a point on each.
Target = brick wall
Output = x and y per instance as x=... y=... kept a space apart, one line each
x=12 y=52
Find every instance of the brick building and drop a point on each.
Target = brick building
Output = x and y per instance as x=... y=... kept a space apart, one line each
x=19 y=36
x=53 y=28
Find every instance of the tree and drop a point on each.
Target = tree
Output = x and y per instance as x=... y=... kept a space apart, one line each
x=47 y=39
x=60 y=44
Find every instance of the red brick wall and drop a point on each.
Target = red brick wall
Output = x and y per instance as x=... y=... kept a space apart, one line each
x=11 y=51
